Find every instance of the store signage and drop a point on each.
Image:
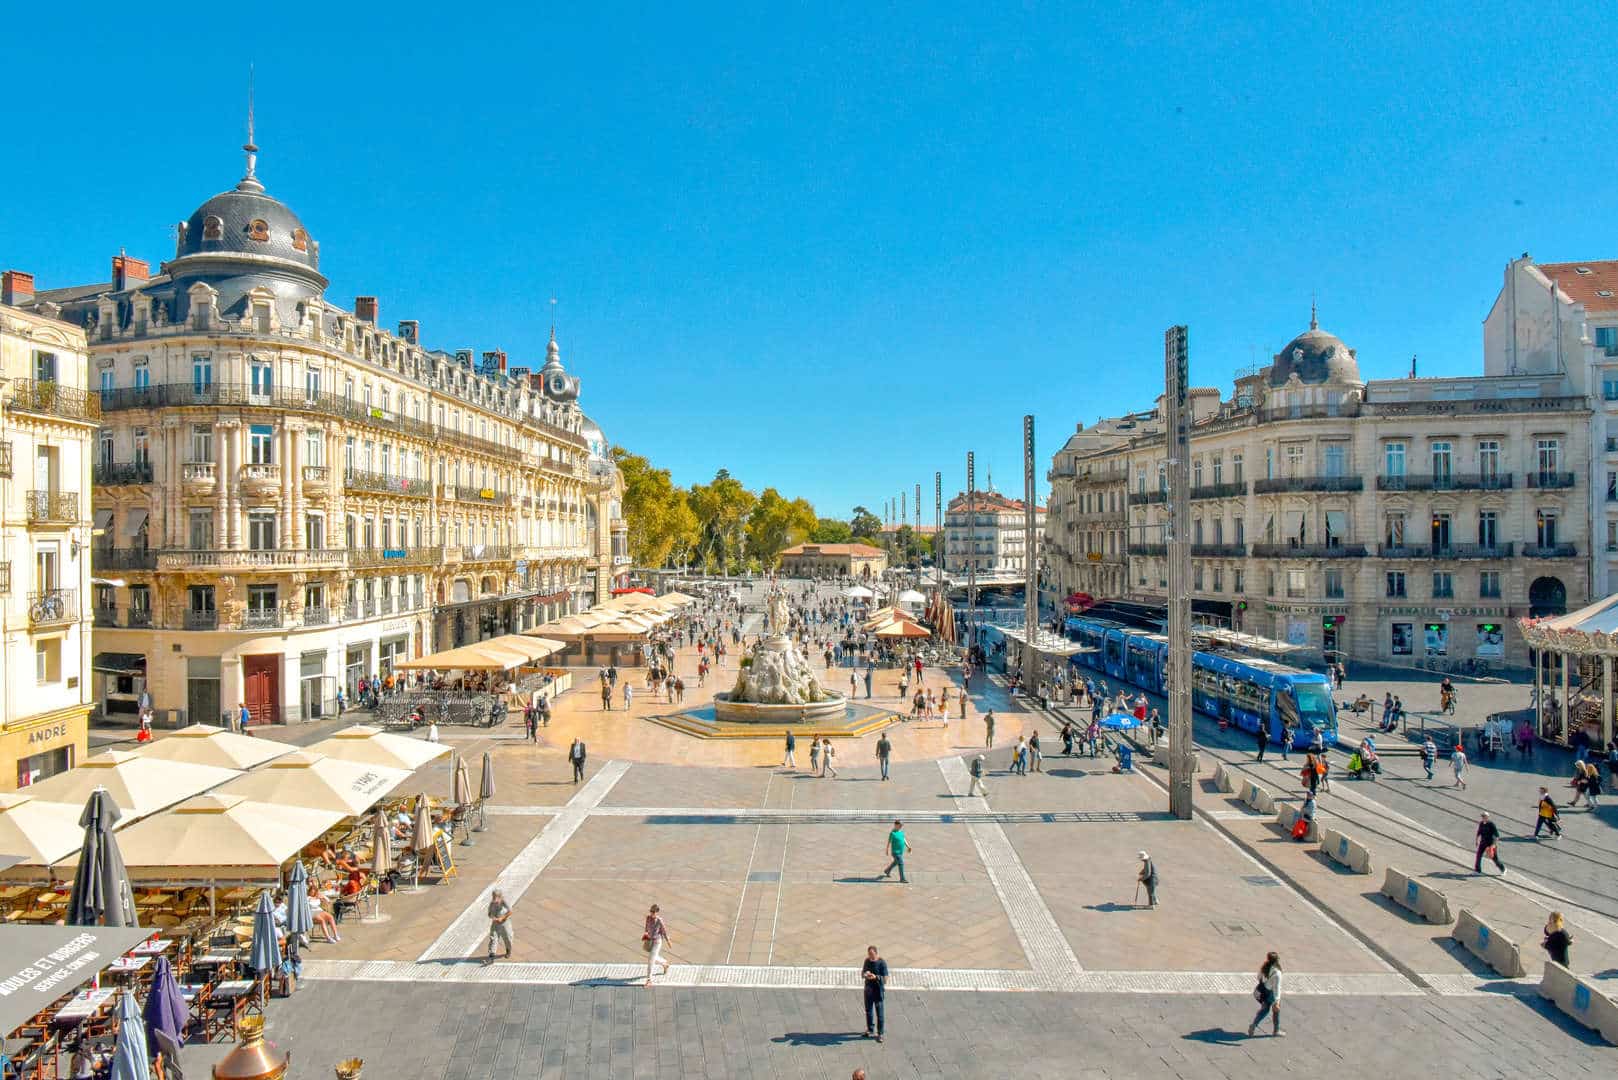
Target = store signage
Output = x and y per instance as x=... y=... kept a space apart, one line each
x=1094 y=556
x=1307 y=609
x=1448 y=613
x=394 y=553
x=49 y=733
x=376 y=413
x=486 y=493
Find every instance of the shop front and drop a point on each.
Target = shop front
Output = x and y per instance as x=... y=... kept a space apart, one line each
x=1427 y=635
x=46 y=744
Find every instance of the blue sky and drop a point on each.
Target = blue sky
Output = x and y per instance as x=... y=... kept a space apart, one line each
x=832 y=248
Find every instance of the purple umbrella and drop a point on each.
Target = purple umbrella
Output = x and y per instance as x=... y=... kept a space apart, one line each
x=165 y=1005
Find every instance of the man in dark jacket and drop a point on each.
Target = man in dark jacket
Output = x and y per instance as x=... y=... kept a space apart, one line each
x=575 y=754
x=1488 y=844
x=874 y=973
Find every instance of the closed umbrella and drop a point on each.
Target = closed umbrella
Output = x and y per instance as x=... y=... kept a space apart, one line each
x=422 y=835
x=463 y=799
x=165 y=1012
x=101 y=894
x=300 y=919
x=485 y=790
x=381 y=854
x=265 y=954
x=130 y=1061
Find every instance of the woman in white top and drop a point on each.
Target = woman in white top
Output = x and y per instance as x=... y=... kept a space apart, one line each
x=1268 y=993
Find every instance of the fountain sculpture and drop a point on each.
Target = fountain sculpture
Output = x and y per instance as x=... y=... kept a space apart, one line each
x=776 y=684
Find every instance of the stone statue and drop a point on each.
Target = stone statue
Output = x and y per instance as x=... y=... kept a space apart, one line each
x=779 y=613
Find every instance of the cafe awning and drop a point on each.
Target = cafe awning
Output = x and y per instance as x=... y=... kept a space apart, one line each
x=320 y=782
x=373 y=746
x=901 y=628
x=140 y=785
x=103 y=518
x=39 y=964
x=496 y=654
x=219 y=837
x=137 y=521
x=119 y=663
x=42 y=832
x=206 y=744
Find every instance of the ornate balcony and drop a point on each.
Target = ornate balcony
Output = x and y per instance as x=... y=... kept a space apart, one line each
x=478 y=553
x=5 y=460
x=1309 y=551
x=399 y=556
x=1219 y=551
x=201 y=620
x=122 y=472
x=261 y=479
x=1220 y=491
x=1278 y=485
x=275 y=559
x=316 y=481
x=1147 y=498
x=54 y=399
x=123 y=558
x=263 y=619
x=106 y=616
x=199 y=477
x=485 y=496
x=53 y=507
x=1496 y=481
x=317 y=616
x=1550 y=551
x=1550 y=479
x=52 y=607
x=365 y=480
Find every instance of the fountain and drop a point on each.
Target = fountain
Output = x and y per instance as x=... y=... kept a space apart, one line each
x=776 y=684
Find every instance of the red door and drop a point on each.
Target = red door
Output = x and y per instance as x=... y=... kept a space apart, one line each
x=261 y=679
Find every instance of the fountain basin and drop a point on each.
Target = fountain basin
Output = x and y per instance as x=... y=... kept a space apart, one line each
x=833 y=709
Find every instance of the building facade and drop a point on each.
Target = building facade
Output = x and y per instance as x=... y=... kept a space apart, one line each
x=289 y=497
x=47 y=429
x=1404 y=520
x=833 y=561
x=987 y=533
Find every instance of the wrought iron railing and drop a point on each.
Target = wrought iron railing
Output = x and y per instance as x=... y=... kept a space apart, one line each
x=53 y=506
x=53 y=399
x=105 y=558
x=1275 y=485
x=52 y=606
x=1309 y=551
x=1444 y=482
x=366 y=480
x=1219 y=491
x=1550 y=479
x=1550 y=551
x=122 y=472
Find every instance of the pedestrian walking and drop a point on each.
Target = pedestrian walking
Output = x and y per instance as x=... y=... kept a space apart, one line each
x=977 y=787
x=963 y=699
x=499 y=925
x=826 y=755
x=1556 y=944
x=1547 y=817
x=1592 y=785
x=652 y=940
x=243 y=718
x=1457 y=765
x=606 y=695
x=1287 y=732
x=790 y=761
x=853 y=686
x=1488 y=844
x=874 y=973
x=1261 y=738
x=1035 y=757
x=1147 y=877
x=988 y=727
x=629 y=695
x=576 y=754
x=1310 y=774
x=1429 y=755
x=883 y=749
x=1268 y=995
x=432 y=732
x=897 y=847
x=869 y=674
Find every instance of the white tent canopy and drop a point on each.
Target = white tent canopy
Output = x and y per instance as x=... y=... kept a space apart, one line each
x=319 y=782
x=221 y=837
x=373 y=746
x=140 y=785
x=205 y=744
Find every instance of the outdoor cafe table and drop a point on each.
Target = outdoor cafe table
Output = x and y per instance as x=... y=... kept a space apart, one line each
x=155 y=947
x=12 y=892
x=83 y=1005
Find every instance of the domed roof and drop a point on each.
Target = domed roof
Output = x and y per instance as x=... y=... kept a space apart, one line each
x=1315 y=357
x=246 y=221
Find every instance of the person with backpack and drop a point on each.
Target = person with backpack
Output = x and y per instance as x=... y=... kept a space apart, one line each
x=1147 y=877
x=1548 y=817
x=977 y=787
x=1268 y=995
x=1488 y=844
x=1429 y=756
x=1557 y=939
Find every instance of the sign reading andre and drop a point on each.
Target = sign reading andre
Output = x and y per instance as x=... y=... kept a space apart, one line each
x=39 y=964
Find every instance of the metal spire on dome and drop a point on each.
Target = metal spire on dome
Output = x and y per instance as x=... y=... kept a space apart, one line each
x=1314 y=323
x=250 y=181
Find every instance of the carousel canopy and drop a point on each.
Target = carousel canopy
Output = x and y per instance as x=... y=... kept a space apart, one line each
x=1591 y=630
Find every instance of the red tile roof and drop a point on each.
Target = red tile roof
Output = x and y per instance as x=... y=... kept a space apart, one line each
x=1586 y=288
x=991 y=500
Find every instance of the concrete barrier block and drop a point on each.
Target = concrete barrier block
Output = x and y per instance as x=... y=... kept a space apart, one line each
x=1502 y=954
x=1346 y=851
x=1412 y=895
x=1580 y=1000
x=1258 y=798
x=1222 y=778
x=1287 y=817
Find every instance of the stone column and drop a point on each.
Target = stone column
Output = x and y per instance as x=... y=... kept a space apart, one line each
x=1606 y=699
x=173 y=488
x=225 y=481
x=292 y=483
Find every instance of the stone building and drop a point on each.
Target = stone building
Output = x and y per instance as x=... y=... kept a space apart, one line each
x=834 y=560
x=290 y=496
x=47 y=428
x=988 y=531
x=1405 y=520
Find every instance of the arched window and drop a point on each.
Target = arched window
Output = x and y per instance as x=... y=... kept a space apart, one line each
x=258 y=229
x=213 y=228
x=300 y=239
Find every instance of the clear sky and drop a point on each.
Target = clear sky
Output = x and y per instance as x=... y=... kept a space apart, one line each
x=832 y=248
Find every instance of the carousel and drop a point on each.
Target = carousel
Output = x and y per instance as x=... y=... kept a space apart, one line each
x=1573 y=657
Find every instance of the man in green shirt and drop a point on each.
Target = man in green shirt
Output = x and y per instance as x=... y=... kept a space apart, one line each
x=897 y=846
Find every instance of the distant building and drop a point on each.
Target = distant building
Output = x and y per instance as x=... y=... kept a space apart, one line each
x=991 y=537
x=833 y=560
x=49 y=426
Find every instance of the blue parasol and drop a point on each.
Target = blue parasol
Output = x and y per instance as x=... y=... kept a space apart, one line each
x=300 y=920
x=265 y=956
x=130 y=1061
x=165 y=1005
x=1121 y=722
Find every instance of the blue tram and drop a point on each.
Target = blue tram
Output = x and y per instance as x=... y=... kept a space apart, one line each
x=1244 y=691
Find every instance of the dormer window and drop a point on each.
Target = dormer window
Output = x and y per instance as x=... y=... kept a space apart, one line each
x=258 y=229
x=300 y=239
x=213 y=228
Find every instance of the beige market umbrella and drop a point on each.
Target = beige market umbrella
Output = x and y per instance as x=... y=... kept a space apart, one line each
x=314 y=780
x=140 y=785
x=482 y=656
x=205 y=744
x=461 y=791
x=373 y=746
x=900 y=628
x=42 y=832
x=381 y=854
x=221 y=837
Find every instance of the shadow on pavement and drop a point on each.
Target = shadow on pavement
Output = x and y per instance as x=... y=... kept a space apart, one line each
x=819 y=1038
x=1216 y=1035
x=1111 y=906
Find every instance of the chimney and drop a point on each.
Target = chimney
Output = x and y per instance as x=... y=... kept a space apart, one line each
x=127 y=272
x=365 y=308
x=410 y=330
x=494 y=360
x=16 y=287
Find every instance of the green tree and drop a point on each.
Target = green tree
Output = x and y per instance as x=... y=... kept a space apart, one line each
x=721 y=508
x=831 y=531
x=654 y=509
x=865 y=526
x=775 y=524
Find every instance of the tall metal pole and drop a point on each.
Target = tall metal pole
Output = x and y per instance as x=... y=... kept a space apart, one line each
x=1182 y=758
x=971 y=549
x=917 y=504
x=938 y=529
x=1030 y=660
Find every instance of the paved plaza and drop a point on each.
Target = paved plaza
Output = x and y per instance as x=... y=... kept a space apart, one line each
x=1017 y=947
